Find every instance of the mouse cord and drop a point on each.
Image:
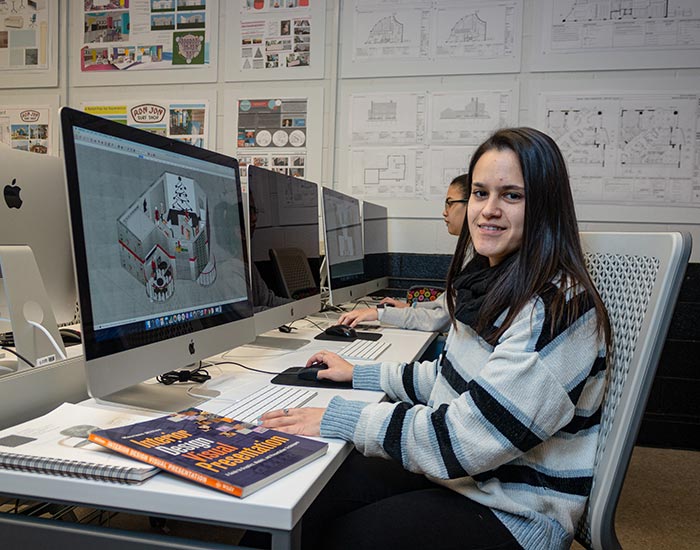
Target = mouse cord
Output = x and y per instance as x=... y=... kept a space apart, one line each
x=18 y=355
x=243 y=366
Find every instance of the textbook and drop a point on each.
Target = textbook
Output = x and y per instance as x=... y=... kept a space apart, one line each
x=235 y=457
x=57 y=444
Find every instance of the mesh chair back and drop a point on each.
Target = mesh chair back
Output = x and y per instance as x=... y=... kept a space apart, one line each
x=638 y=276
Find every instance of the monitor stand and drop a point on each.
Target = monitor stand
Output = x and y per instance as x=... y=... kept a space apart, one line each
x=279 y=342
x=27 y=303
x=158 y=397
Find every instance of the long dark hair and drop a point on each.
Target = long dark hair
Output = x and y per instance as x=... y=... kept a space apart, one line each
x=550 y=246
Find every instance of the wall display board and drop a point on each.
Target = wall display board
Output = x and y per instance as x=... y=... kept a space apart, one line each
x=631 y=155
x=29 y=43
x=410 y=144
x=580 y=35
x=275 y=39
x=281 y=133
x=30 y=123
x=430 y=37
x=143 y=41
x=183 y=120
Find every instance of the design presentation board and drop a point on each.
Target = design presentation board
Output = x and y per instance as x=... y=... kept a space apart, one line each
x=184 y=120
x=29 y=43
x=408 y=145
x=118 y=42
x=281 y=133
x=631 y=147
x=275 y=39
x=29 y=122
x=578 y=35
x=430 y=37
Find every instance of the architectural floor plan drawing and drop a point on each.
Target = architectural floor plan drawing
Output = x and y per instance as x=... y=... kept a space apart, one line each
x=388 y=172
x=627 y=148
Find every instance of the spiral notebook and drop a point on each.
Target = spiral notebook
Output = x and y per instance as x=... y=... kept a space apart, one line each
x=57 y=444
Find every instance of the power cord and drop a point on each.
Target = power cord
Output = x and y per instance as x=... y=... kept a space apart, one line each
x=198 y=375
x=243 y=366
x=46 y=332
x=18 y=355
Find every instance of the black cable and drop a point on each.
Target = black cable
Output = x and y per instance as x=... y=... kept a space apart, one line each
x=20 y=356
x=199 y=375
x=243 y=366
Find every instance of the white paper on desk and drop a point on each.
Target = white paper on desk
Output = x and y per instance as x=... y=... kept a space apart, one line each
x=62 y=435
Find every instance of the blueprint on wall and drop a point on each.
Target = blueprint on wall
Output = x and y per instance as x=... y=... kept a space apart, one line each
x=627 y=147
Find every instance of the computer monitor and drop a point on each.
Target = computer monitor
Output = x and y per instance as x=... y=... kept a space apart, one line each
x=34 y=212
x=283 y=229
x=344 y=250
x=375 y=236
x=160 y=257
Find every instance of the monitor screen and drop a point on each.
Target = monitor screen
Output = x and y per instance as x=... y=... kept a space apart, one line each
x=375 y=232
x=284 y=229
x=160 y=256
x=344 y=251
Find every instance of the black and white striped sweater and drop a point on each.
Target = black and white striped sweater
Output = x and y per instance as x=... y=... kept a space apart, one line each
x=513 y=427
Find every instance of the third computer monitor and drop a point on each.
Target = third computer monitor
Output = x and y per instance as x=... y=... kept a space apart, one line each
x=345 y=255
x=375 y=233
x=284 y=234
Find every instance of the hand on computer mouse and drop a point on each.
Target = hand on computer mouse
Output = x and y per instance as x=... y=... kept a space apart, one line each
x=338 y=369
x=393 y=302
x=356 y=316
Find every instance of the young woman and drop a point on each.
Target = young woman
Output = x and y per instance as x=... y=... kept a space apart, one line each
x=491 y=445
x=429 y=316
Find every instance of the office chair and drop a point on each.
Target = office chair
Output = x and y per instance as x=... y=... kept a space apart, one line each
x=293 y=272
x=638 y=276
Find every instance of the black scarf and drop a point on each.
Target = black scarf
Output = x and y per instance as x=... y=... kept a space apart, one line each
x=472 y=285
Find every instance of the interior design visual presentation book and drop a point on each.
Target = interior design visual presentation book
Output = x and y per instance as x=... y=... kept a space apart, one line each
x=235 y=457
x=56 y=443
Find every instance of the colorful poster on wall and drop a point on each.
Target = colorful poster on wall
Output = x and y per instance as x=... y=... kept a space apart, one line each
x=144 y=35
x=27 y=128
x=186 y=121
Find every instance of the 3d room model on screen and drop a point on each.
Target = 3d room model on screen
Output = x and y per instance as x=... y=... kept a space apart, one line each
x=164 y=236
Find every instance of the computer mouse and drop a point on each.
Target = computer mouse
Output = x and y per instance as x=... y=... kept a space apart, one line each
x=344 y=331
x=311 y=372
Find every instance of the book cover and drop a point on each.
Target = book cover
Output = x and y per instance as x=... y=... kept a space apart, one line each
x=57 y=444
x=232 y=456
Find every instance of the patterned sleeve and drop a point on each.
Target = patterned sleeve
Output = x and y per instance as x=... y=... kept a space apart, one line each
x=531 y=385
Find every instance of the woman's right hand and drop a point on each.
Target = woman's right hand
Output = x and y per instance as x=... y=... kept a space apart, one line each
x=356 y=316
x=338 y=369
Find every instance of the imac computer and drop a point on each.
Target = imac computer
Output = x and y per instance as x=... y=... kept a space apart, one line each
x=160 y=257
x=344 y=251
x=34 y=213
x=375 y=235
x=283 y=230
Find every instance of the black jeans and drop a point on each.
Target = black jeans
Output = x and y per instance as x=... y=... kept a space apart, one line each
x=371 y=504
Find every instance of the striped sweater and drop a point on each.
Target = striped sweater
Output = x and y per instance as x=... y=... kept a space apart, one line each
x=513 y=427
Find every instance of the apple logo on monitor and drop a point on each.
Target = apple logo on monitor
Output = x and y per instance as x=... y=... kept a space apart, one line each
x=191 y=347
x=11 y=194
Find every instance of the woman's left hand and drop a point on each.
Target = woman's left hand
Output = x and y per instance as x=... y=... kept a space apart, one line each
x=304 y=421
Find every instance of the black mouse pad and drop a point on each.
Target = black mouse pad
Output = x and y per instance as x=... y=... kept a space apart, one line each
x=289 y=378
x=360 y=336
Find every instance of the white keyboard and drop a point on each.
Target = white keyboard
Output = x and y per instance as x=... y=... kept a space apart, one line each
x=267 y=398
x=364 y=349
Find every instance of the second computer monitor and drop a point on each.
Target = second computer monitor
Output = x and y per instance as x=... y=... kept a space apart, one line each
x=284 y=229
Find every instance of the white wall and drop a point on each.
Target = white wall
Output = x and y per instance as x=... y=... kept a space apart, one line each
x=421 y=231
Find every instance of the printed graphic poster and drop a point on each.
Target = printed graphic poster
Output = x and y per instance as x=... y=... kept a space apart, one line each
x=24 y=34
x=186 y=121
x=26 y=128
x=276 y=38
x=138 y=35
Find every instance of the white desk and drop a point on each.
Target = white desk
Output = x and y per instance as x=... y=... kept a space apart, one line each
x=276 y=508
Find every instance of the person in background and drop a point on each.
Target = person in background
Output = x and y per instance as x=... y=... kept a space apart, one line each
x=427 y=316
x=491 y=445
